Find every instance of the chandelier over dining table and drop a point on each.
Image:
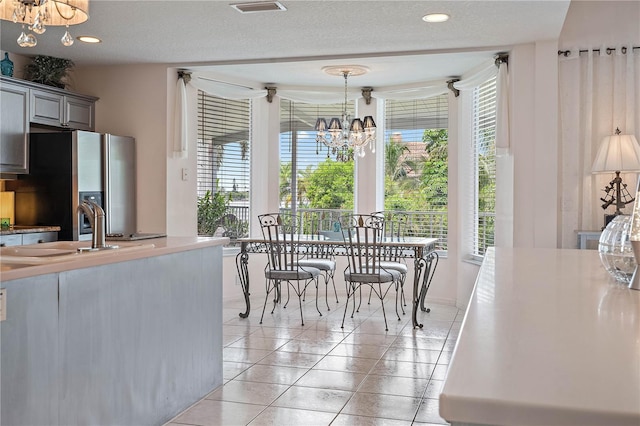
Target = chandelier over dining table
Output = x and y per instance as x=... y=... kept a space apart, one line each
x=345 y=137
x=36 y=15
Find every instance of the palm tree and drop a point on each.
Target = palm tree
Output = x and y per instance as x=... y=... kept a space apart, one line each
x=393 y=153
x=285 y=183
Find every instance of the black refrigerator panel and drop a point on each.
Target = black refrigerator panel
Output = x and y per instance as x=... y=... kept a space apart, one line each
x=68 y=167
x=45 y=196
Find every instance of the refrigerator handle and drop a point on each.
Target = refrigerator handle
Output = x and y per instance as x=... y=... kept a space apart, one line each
x=106 y=178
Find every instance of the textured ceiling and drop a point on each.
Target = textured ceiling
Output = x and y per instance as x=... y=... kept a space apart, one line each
x=291 y=47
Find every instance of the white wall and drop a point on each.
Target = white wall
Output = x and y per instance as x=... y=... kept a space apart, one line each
x=133 y=102
x=600 y=23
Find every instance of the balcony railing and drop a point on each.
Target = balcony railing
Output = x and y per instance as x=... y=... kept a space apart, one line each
x=433 y=224
x=235 y=224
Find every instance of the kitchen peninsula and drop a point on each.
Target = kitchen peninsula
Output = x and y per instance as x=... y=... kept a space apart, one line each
x=125 y=336
x=548 y=338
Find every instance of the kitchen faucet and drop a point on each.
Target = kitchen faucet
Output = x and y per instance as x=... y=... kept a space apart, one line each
x=96 y=216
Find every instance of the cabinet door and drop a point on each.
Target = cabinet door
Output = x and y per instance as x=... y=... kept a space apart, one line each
x=39 y=237
x=14 y=131
x=79 y=113
x=47 y=108
x=10 y=240
x=30 y=376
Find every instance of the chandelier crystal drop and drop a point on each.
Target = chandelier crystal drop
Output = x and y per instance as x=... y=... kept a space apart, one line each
x=344 y=137
x=36 y=15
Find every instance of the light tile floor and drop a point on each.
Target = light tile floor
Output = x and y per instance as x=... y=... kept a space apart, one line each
x=283 y=373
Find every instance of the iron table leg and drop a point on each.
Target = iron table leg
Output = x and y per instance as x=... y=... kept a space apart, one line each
x=431 y=263
x=419 y=266
x=242 y=265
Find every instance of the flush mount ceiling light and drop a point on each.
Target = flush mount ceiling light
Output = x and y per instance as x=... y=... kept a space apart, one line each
x=89 y=39
x=345 y=137
x=435 y=17
x=258 y=6
x=36 y=15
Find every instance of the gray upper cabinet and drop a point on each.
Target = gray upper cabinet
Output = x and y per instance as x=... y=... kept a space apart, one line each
x=14 y=128
x=61 y=110
x=23 y=102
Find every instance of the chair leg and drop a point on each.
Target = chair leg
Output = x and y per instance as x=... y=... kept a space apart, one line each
x=317 y=283
x=346 y=304
x=359 y=303
x=335 y=292
x=384 y=314
x=326 y=289
x=299 y=293
x=370 y=291
x=404 y=301
x=288 y=295
x=277 y=296
x=398 y=298
x=266 y=299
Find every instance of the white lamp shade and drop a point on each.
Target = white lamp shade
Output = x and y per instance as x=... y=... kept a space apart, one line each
x=617 y=153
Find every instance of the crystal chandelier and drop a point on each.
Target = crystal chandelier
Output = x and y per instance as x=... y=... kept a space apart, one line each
x=345 y=137
x=36 y=15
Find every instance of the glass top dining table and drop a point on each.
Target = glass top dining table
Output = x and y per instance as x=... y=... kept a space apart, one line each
x=421 y=250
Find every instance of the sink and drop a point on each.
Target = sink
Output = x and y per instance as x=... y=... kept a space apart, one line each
x=34 y=252
x=61 y=251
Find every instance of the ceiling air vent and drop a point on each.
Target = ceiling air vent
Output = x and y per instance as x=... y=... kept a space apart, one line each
x=258 y=6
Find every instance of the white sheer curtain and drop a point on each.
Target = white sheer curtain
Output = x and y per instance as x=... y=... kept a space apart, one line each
x=479 y=76
x=599 y=92
x=210 y=86
x=180 y=121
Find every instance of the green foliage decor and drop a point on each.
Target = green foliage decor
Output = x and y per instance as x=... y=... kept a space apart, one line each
x=330 y=186
x=48 y=70
x=211 y=208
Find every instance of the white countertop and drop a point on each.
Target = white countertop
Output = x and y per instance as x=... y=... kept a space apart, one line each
x=128 y=251
x=548 y=338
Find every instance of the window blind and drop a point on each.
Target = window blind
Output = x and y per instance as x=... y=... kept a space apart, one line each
x=224 y=141
x=416 y=156
x=484 y=160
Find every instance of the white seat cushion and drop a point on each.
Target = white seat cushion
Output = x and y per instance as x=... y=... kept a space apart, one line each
x=322 y=264
x=396 y=266
x=383 y=276
x=301 y=273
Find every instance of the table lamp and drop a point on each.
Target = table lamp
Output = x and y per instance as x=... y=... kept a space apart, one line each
x=634 y=238
x=617 y=154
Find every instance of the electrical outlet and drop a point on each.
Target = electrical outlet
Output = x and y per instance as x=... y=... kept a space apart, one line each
x=3 y=304
x=185 y=173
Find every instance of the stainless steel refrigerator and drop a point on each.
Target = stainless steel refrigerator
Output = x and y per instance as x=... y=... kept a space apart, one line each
x=66 y=168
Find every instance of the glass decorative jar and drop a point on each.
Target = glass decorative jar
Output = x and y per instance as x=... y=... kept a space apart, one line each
x=615 y=249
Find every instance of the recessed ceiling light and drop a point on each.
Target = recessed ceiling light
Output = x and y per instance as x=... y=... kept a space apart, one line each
x=435 y=17
x=89 y=39
x=258 y=6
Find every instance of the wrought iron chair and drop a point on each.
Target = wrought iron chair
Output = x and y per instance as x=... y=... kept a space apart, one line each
x=282 y=238
x=319 y=256
x=362 y=235
x=395 y=225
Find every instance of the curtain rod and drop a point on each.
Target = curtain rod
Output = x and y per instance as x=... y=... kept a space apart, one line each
x=609 y=51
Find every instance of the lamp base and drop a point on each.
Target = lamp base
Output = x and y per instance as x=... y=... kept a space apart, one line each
x=634 y=284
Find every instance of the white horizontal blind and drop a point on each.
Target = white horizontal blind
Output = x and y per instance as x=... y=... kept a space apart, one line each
x=416 y=156
x=309 y=180
x=484 y=156
x=224 y=141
